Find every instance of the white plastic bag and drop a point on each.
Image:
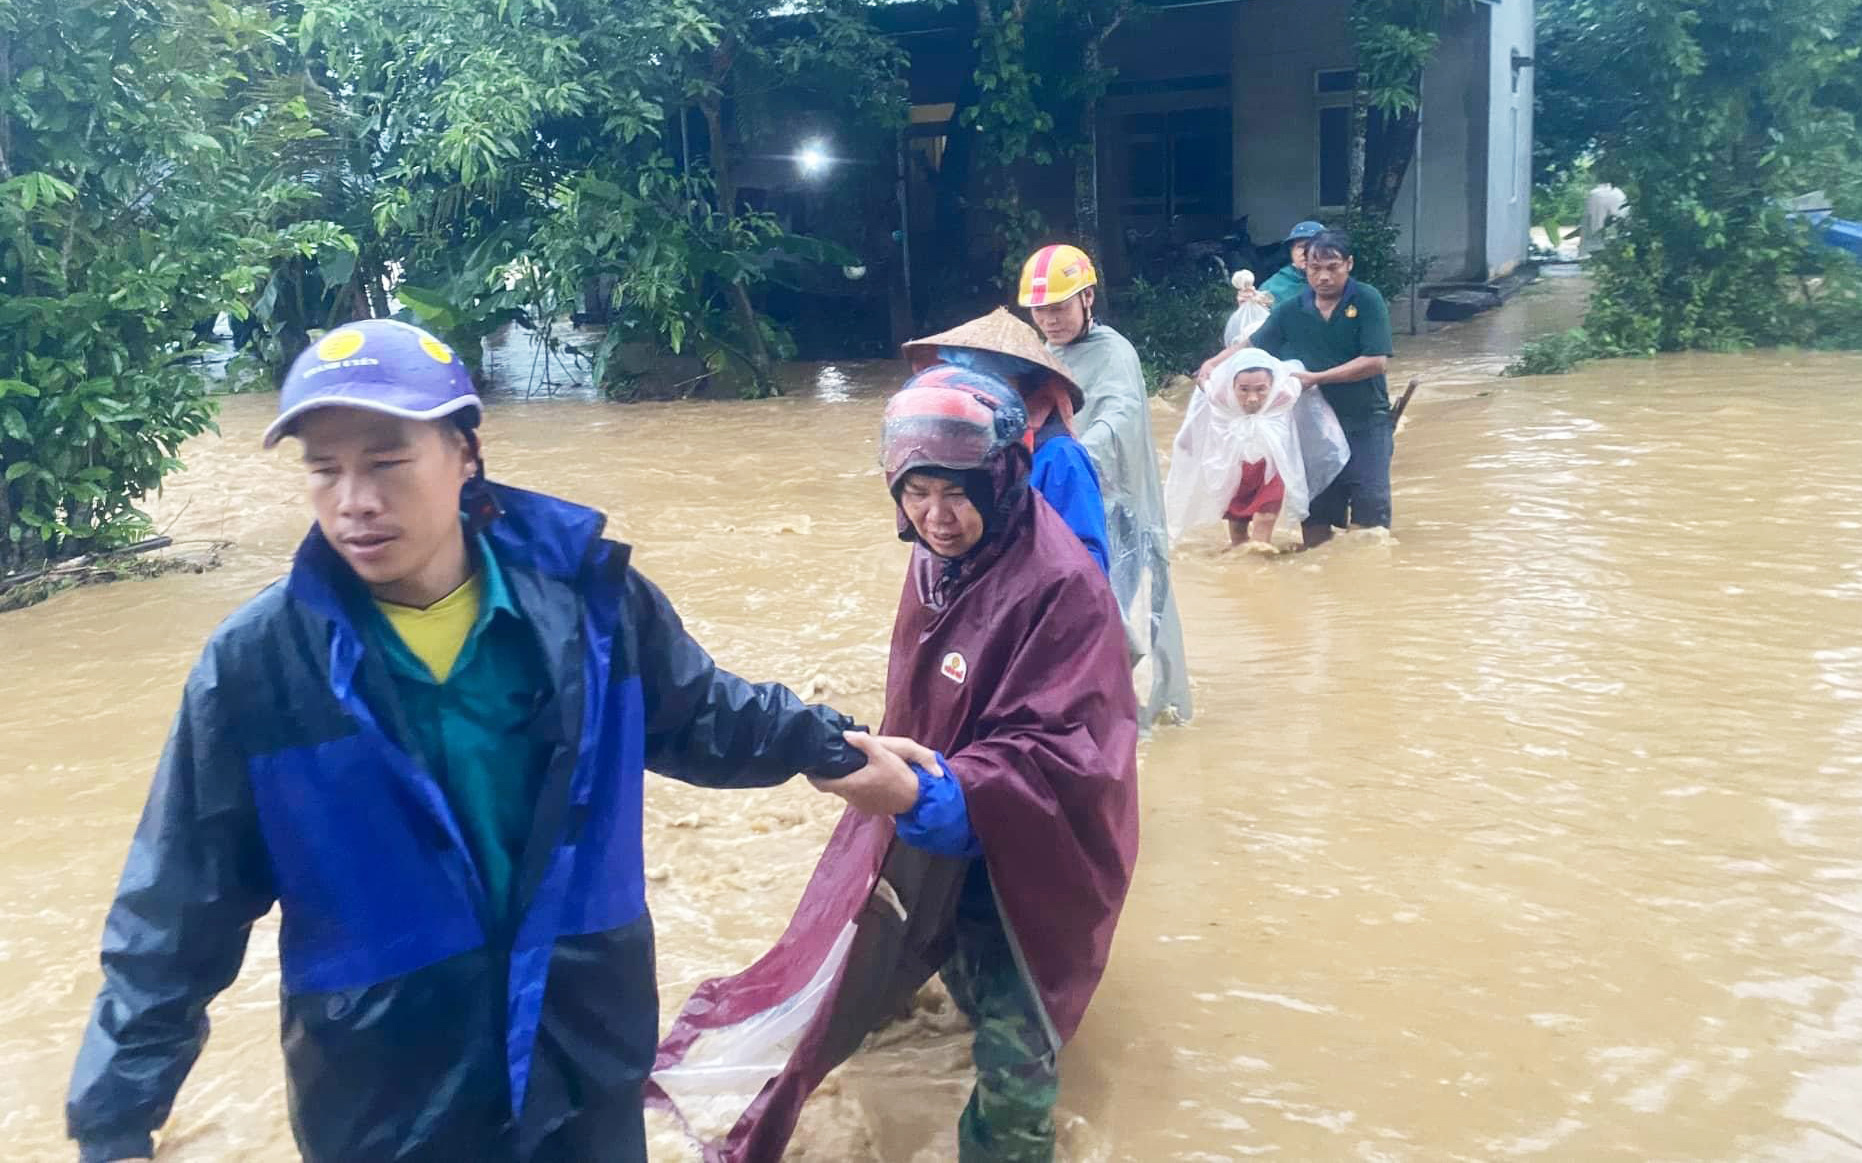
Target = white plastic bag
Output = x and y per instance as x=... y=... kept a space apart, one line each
x=1323 y=447
x=1243 y=323
x=1251 y=310
x=725 y=1069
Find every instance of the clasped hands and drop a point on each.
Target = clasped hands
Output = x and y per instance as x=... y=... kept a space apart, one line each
x=886 y=786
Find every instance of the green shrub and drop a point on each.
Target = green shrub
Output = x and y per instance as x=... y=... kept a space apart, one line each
x=1175 y=323
x=1379 y=261
x=1553 y=355
x=1558 y=198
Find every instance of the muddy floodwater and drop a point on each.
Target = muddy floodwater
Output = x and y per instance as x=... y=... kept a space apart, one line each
x=1536 y=833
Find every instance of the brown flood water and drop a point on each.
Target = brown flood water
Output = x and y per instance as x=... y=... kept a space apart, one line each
x=1536 y=833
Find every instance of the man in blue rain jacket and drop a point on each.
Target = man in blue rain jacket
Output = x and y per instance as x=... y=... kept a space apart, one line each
x=427 y=746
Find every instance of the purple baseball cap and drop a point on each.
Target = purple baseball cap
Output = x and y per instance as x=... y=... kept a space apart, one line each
x=380 y=365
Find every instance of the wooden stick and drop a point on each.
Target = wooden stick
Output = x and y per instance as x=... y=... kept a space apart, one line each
x=1396 y=413
x=84 y=562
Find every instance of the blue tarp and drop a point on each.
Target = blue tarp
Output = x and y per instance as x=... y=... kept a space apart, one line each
x=1840 y=233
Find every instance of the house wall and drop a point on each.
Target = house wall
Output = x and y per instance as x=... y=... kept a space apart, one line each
x=1171 y=61
x=1456 y=139
x=1509 y=217
x=1476 y=169
x=1277 y=51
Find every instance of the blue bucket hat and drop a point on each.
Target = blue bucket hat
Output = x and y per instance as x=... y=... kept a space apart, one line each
x=1304 y=230
x=380 y=365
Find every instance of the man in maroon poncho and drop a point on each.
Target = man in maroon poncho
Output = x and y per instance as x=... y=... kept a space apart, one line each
x=999 y=855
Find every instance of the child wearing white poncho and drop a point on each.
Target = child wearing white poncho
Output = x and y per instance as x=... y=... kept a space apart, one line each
x=1253 y=450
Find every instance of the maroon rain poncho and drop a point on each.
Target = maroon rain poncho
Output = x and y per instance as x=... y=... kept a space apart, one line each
x=1014 y=666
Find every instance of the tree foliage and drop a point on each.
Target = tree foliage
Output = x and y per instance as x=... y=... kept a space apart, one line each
x=290 y=164
x=128 y=213
x=1396 y=40
x=551 y=132
x=1728 y=108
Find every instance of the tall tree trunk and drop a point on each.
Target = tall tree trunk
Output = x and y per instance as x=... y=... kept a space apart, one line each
x=712 y=106
x=25 y=232
x=1086 y=188
x=378 y=294
x=6 y=122
x=7 y=554
x=1086 y=152
x=1360 y=134
x=1389 y=165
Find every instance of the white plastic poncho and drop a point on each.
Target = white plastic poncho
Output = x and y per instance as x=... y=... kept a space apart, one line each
x=1218 y=438
x=1115 y=427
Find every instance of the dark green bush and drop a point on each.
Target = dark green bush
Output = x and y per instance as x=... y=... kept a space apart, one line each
x=1175 y=323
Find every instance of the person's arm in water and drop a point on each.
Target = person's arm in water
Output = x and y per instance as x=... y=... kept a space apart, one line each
x=707 y=726
x=196 y=879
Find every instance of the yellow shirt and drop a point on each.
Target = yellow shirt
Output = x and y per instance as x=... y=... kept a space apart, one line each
x=436 y=634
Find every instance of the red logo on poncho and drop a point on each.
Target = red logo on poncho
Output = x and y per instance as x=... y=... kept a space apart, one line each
x=955 y=668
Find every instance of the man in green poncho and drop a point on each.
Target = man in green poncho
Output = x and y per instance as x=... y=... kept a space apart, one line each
x=1058 y=286
x=1289 y=282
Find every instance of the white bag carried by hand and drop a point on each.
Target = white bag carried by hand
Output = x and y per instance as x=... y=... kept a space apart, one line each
x=1253 y=311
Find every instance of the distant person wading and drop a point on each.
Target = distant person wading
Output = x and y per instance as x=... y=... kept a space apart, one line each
x=1339 y=330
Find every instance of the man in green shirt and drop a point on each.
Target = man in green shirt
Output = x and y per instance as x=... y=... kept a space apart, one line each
x=469 y=679
x=1340 y=329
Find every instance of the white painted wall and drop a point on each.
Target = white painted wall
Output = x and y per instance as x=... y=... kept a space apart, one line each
x=1454 y=138
x=1509 y=218
x=1472 y=223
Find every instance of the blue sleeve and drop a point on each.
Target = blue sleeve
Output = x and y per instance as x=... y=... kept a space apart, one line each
x=939 y=822
x=1064 y=476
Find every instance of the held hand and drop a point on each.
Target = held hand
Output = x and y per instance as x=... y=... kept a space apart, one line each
x=885 y=786
x=1208 y=368
x=1307 y=379
x=910 y=750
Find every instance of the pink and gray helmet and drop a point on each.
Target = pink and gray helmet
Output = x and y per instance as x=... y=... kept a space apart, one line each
x=379 y=365
x=948 y=418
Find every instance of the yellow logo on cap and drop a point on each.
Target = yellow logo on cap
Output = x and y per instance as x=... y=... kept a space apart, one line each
x=339 y=345
x=433 y=347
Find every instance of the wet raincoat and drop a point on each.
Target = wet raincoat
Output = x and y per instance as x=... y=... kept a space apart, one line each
x=1014 y=668
x=1289 y=282
x=1064 y=476
x=1115 y=427
x=414 y=1027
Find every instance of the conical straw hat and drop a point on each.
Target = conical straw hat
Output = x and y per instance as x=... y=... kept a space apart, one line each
x=998 y=331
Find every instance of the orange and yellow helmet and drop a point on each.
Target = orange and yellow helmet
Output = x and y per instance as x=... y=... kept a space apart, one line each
x=1055 y=274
